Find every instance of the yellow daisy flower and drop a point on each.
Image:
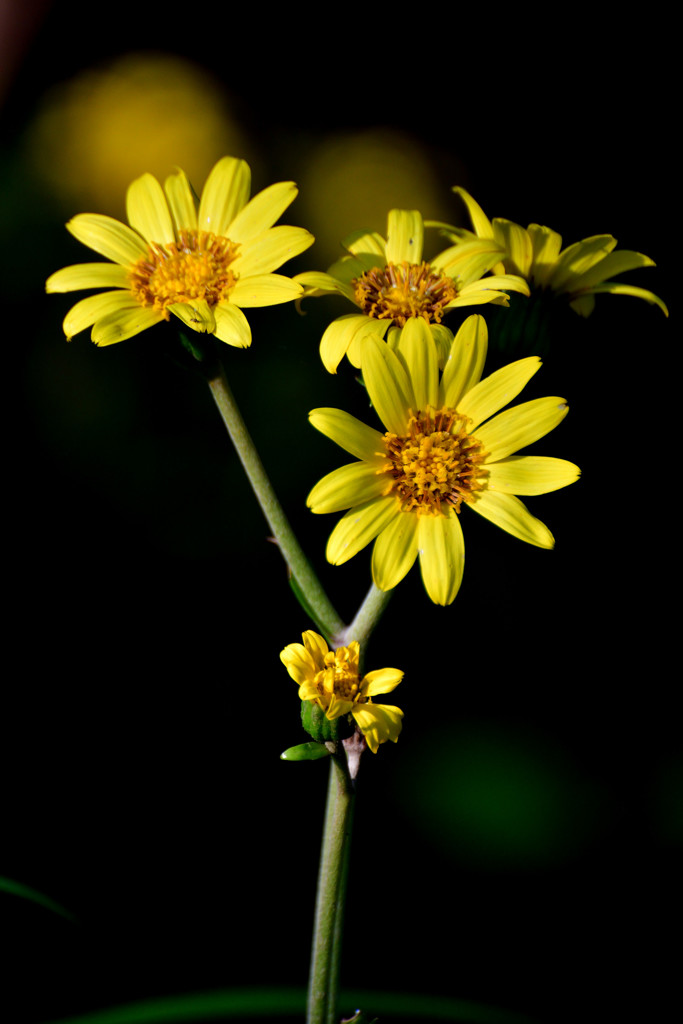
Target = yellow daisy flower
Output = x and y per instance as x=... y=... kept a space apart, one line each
x=535 y=253
x=331 y=679
x=202 y=263
x=440 y=450
x=391 y=283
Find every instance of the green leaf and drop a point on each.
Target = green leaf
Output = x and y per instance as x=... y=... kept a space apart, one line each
x=305 y=752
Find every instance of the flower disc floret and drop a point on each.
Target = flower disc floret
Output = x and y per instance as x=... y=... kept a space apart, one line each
x=195 y=267
x=397 y=292
x=332 y=680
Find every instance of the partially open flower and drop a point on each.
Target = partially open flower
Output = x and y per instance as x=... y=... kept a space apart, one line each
x=331 y=679
x=203 y=264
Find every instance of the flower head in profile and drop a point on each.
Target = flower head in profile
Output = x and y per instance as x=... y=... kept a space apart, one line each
x=332 y=680
x=579 y=272
x=200 y=262
x=441 y=449
x=391 y=283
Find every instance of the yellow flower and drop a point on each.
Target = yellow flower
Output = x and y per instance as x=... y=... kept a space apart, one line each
x=391 y=283
x=203 y=264
x=331 y=679
x=439 y=450
x=535 y=253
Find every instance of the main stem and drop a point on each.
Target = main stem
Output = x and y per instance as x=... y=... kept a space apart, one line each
x=291 y=550
x=326 y=952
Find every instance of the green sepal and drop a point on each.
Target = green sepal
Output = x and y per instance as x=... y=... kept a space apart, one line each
x=316 y=724
x=305 y=752
x=200 y=346
x=310 y=611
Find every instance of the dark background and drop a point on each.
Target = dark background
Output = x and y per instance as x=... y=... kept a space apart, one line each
x=521 y=845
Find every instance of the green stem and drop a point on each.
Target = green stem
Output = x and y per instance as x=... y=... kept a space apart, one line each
x=263 y=489
x=326 y=952
x=367 y=617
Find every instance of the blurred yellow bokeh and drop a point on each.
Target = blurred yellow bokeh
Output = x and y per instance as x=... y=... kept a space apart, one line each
x=99 y=131
x=352 y=181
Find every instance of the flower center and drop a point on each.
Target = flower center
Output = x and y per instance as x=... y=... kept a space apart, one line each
x=400 y=291
x=437 y=466
x=195 y=267
x=339 y=678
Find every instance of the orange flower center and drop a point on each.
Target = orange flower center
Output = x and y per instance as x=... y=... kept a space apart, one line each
x=400 y=291
x=197 y=266
x=437 y=465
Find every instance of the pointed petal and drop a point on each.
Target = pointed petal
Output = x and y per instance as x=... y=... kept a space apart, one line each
x=264 y=290
x=369 y=243
x=262 y=211
x=108 y=237
x=316 y=645
x=530 y=474
x=576 y=259
x=465 y=362
x=181 y=201
x=88 y=275
x=616 y=288
x=442 y=556
x=395 y=551
x=298 y=662
x=269 y=250
x=546 y=245
x=314 y=282
x=378 y=723
x=511 y=515
x=520 y=426
x=443 y=339
x=612 y=264
x=348 y=432
x=480 y=222
x=225 y=193
x=467 y=261
x=358 y=528
x=405 y=237
x=388 y=385
x=124 y=323
x=147 y=210
x=348 y=486
x=372 y=328
x=417 y=351
x=94 y=307
x=495 y=391
x=232 y=326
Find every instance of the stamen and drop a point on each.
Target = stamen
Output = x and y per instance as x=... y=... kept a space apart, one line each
x=437 y=465
x=339 y=677
x=401 y=291
x=195 y=267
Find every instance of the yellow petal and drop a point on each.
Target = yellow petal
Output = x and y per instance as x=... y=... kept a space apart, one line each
x=480 y=222
x=88 y=275
x=298 y=662
x=612 y=264
x=197 y=315
x=405 y=237
x=272 y=248
x=232 y=326
x=94 y=307
x=314 y=282
x=465 y=361
x=124 y=323
x=546 y=245
x=348 y=432
x=378 y=723
x=495 y=391
x=225 y=193
x=181 y=201
x=576 y=259
x=264 y=290
x=520 y=426
x=388 y=385
x=108 y=237
x=147 y=210
x=417 y=351
x=381 y=680
x=395 y=551
x=511 y=515
x=316 y=645
x=442 y=556
x=530 y=474
x=615 y=288
x=262 y=211
x=517 y=244
x=369 y=243
x=347 y=486
x=358 y=528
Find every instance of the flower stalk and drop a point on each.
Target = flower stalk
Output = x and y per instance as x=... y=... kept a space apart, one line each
x=289 y=546
x=323 y=984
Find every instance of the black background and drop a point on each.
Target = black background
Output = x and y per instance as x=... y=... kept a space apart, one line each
x=146 y=705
